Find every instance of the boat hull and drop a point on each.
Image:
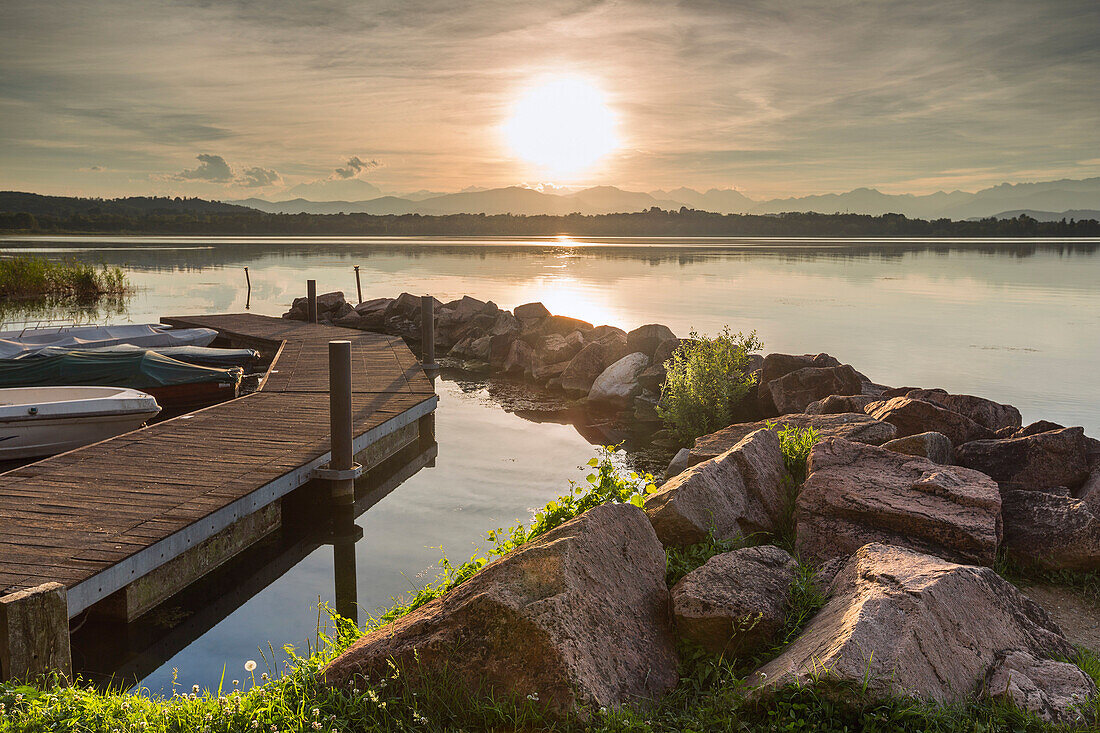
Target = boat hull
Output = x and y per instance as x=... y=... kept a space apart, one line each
x=43 y=421
x=51 y=437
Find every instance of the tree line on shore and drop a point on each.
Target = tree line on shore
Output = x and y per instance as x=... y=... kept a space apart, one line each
x=652 y=223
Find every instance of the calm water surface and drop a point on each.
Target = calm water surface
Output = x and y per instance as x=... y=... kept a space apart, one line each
x=1014 y=321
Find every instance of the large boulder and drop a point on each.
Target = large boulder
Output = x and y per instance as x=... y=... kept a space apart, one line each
x=936 y=447
x=466 y=308
x=1032 y=463
x=590 y=362
x=554 y=347
x=372 y=314
x=775 y=366
x=618 y=384
x=736 y=602
x=472 y=348
x=504 y=331
x=1039 y=426
x=678 y=463
x=856 y=494
x=664 y=351
x=987 y=413
x=792 y=392
x=455 y=319
x=521 y=360
x=530 y=311
x=535 y=331
x=1057 y=692
x=647 y=338
x=326 y=302
x=1051 y=531
x=899 y=622
x=912 y=416
x=579 y=616
x=738 y=493
x=851 y=426
x=407 y=306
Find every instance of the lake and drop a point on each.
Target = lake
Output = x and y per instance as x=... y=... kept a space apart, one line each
x=1016 y=321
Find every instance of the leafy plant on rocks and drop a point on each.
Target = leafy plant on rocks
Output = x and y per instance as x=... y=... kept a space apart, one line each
x=706 y=378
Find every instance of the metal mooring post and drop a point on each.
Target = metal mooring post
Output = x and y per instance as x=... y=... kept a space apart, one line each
x=342 y=472
x=427 y=332
x=311 y=300
x=358 y=286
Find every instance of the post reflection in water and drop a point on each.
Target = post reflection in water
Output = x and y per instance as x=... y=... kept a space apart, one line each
x=344 y=536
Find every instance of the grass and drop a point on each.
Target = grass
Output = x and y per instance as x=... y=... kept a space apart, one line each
x=711 y=696
x=26 y=277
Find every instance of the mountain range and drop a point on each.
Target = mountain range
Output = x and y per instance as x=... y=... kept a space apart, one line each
x=1043 y=200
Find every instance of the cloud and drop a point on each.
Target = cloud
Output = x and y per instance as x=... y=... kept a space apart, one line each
x=211 y=168
x=355 y=166
x=215 y=169
x=257 y=177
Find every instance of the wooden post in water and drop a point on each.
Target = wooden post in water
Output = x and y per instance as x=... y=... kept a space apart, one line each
x=343 y=488
x=248 y=295
x=311 y=300
x=358 y=286
x=427 y=332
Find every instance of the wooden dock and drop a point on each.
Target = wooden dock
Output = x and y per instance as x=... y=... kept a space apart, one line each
x=100 y=518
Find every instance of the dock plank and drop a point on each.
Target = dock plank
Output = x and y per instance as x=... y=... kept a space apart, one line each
x=70 y=517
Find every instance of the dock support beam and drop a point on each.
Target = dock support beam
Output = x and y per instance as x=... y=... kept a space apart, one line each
x=311 y=300
x=34 y=633
x=427 y=332
x=358 y=286
x=344 y=530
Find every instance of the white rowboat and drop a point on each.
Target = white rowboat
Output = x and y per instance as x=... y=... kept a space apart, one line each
x=43 y=421
x=15 y=344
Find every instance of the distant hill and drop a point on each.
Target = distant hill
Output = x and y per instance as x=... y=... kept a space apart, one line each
x=1045 y=201
x=37 y=204
x=1049 y=196
x=342 y=189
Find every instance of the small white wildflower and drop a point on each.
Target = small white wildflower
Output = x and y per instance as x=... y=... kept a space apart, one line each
x=19 y=697
x=236 y=683
x=255 y=724
x=533 y=696
x=603 y=711
x=250 y=666
x=315 y=712
x=264 y=677
x=316 y=725
x=195 y=688
x=419 y=718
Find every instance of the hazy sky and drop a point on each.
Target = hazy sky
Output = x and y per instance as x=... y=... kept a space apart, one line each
x=226 y=99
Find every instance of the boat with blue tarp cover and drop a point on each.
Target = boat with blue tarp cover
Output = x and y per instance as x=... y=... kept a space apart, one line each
x=175 y=384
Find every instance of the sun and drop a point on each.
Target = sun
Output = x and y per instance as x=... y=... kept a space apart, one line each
x=563 y=126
